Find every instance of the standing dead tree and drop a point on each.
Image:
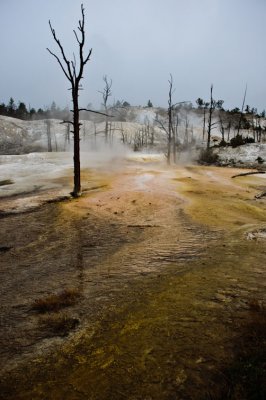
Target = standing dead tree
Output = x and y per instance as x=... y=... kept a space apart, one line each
x=171 y=129
x=106 y=93
x=186 y=131
x=205 y=107
x=229 y=126
x=210 y=123
x=73 y=71
x=49 y=137
x=242 y=110
x=222 y=129
x=212 y=106
x=170 y=119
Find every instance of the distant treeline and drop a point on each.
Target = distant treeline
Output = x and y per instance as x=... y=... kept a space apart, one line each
x=20 y=111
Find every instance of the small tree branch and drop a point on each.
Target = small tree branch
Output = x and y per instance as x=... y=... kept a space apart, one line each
x=67 y=122
x=248 y=173
x=180 y=102
x=62 y=52
x=74 y=68
x=162 y=126
x=260 y=195
x=75 y=33
x=95 y=112
x=60 y=63
x=88 y=57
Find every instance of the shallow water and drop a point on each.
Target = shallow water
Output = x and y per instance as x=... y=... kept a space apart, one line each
x=163 y=296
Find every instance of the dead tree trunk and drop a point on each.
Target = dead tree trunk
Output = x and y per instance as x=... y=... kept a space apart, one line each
x=228 y=130
x=212 y=107
x=221 y=128
x=49 y=138
x=170 y=130
x=186 y=131
x=175 y=139
x=151 y=135
x=206 y=105
x=106 y=93
x=241 y=114
x=204 y=122
x=74 y=74
x=170 y=120
x=192 y=134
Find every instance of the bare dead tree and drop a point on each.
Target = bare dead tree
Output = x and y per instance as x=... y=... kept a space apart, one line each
x=174 y=136
x=106 y=93
x=55 y=142
x=211 y=124
x=170 y=119
x=151 y=135
x=186 y=131
x=258 y=128
x=169 y=130
x=192 y=134
x=229 y=125
x=162 y=124
x=73 y=71
x=222 y=128
x=242 y=110
x=206 y=105
x=49 y=137
x=124 y=135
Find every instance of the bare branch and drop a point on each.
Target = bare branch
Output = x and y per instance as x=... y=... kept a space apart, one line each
x=60 y=63
x=106 y=93
x=74 y=58
x=88 y=57
x=95 y=112
x=242 y=109
x=248 y=173
x=67 y=122
x=161 y=125
x=74 y=69
x=180 y=102
x=260 y=195
x=81 y=44
x=75 y=33
x=62 y=52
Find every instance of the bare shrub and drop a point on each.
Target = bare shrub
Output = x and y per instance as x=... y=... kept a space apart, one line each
x=58 y=324
x=207 y=156
x=6 y=182
x=57 y=301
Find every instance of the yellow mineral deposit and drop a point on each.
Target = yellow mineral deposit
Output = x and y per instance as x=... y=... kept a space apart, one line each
x=165 y=284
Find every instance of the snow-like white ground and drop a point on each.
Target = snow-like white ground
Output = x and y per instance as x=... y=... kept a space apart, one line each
x=32 y=172
x=20 y=137
x=34 y=169
x=247 y=154
x=42 y=171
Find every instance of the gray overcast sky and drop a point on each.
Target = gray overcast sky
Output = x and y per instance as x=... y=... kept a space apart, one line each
x=137 y=43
